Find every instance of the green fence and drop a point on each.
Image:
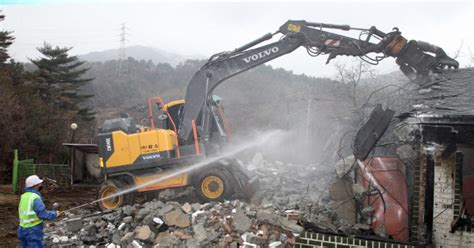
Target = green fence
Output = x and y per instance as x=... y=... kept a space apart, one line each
x=61 y=173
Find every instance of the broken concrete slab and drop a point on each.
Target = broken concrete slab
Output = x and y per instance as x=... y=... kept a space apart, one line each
x=274 y=219
x=196 y=206
x=241 y=222
x=200 y=233
x=126 y=239
x=344 y=166
x=182 y=235
x=74 y=225
x=167 y=208
x=177 y=218
x=187 y=208
x=144 y=233
x=165 y=239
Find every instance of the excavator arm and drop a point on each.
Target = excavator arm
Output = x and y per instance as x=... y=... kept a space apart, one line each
x=414 y=59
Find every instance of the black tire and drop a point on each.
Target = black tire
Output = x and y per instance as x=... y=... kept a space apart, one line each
x=112 y=187
x=213 y=185
x=129 y=198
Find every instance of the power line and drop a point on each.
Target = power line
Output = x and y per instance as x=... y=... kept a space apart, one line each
x=122 y=53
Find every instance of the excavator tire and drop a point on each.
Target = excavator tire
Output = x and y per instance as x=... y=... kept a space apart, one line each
x=111 y=187
x=213 y=185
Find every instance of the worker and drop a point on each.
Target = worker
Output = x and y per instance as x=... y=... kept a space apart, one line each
x=32 y=212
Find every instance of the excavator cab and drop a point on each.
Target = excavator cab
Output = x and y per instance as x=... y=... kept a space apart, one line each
x=174 y=109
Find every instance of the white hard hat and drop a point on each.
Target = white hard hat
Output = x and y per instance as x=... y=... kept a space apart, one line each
x=32 y=181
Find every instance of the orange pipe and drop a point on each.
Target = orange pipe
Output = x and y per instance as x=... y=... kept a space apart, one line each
x=178 y=153
x=196 y=143
x=150 y=108
x=150 y=113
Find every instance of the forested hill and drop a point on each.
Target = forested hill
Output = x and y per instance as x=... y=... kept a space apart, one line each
x=129 y=83
x=317 y=111
x=257 y=100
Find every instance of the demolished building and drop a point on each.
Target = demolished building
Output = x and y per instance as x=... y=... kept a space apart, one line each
x=441 y=132
x=414 y=174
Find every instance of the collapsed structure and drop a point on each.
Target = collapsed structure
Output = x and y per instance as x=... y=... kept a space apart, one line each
x=413 y=173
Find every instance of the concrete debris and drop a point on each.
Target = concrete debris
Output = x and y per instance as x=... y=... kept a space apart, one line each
x=289 y=186
x=200 y=233
x=277 y=220
x=217 y=224
x=144 y=233
x=344 y=166
x=289 y=194
x=127 y=219
x=406 y=153
x=165 y=239
x=135 y=244
x=241 y=221
x=55 y=240
x=187 y=208
x=127 y=239
x=177 y=218
x=166 y=209
x=74 y=225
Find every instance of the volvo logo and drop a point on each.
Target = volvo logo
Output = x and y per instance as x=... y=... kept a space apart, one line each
x=262 y=54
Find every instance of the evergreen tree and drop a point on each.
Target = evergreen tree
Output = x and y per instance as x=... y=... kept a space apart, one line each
x=6 y=39
x=58 y=80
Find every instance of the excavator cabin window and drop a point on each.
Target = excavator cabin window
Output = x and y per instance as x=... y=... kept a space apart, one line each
x=175 y=114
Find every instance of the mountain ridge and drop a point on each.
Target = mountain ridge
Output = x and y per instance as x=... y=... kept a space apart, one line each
x=139 y=52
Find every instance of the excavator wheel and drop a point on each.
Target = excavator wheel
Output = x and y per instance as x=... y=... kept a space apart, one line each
x=111 y=187
x=213 y=185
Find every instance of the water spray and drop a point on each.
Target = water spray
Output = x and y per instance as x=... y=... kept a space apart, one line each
x=262 y=139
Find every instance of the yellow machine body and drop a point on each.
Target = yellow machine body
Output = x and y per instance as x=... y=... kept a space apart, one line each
x=127 y=149
x=172 y=104
x=168 y=181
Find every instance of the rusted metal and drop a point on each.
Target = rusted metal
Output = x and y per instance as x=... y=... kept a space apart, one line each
x=384 y=179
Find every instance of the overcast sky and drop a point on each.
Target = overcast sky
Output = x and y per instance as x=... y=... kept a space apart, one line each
x=192 y=28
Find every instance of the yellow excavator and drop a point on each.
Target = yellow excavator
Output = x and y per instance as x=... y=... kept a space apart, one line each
x=188 y=131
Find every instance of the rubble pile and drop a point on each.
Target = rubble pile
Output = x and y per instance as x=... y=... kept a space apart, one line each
x=290 y=186
x=317 y=194
x=289 y=195
x=227 y=224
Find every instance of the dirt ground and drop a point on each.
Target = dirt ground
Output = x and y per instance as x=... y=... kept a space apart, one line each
x=66 y=197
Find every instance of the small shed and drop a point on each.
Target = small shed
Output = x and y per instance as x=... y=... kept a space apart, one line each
x=84 y=164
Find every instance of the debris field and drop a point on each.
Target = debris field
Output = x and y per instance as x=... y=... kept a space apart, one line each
x=273 y=218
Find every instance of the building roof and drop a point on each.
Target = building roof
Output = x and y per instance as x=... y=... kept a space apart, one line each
x=449 y=93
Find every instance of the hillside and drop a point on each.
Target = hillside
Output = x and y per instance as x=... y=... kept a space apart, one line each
x=156 y=55
x=260 y=99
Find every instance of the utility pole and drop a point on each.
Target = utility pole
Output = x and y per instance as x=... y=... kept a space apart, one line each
x=122 y=55
x=309 y=133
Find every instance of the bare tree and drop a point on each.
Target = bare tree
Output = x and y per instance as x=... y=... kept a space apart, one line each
x=350 y=77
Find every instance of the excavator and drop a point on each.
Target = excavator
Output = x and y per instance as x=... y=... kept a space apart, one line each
x=189 y=131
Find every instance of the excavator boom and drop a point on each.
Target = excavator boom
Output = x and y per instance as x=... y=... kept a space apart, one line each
x=416 y=59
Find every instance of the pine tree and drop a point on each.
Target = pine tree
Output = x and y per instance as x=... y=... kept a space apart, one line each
x=58 y=80
x=6 y=39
